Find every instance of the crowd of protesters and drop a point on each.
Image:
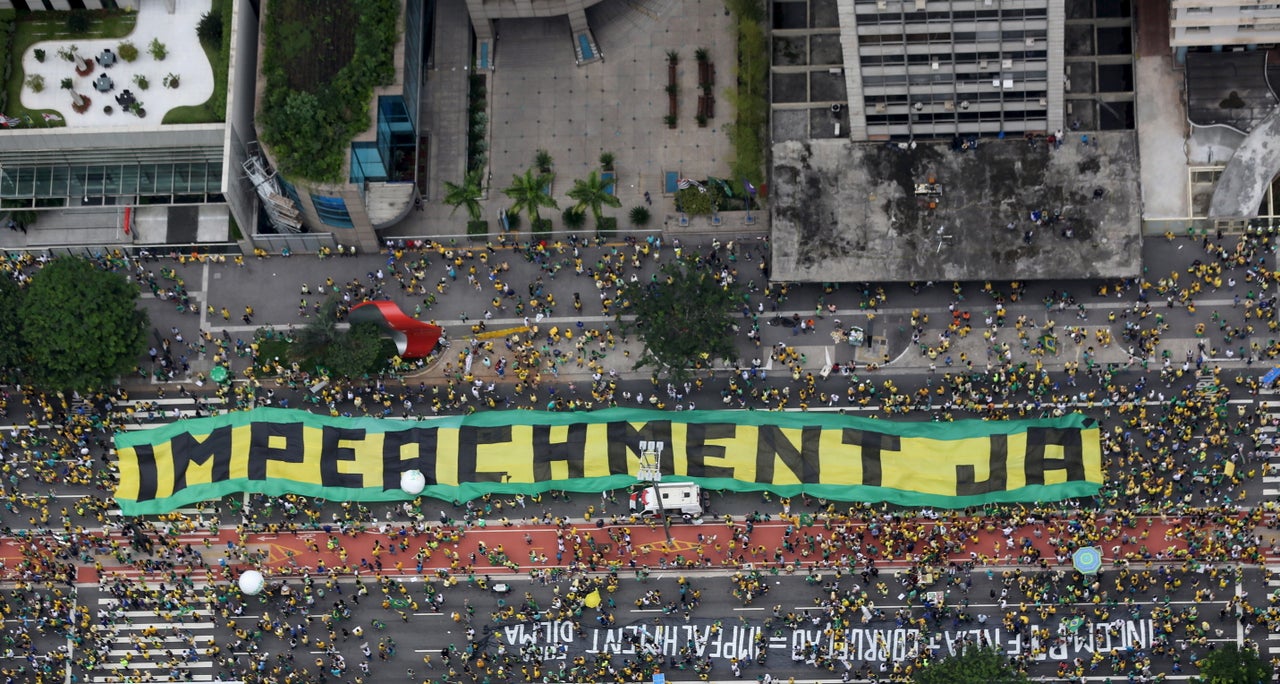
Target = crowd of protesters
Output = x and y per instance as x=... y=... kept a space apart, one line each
x=1174 y=450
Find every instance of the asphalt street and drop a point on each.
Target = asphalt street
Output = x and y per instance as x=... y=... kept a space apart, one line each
x=1148 y=622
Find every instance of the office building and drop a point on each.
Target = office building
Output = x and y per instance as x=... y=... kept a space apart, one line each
x=939 y=68
x=1216 y=23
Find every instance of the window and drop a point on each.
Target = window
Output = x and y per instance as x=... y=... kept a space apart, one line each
x=332 y=211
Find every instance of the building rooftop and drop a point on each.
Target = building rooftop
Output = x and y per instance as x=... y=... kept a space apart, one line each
x=185 y=59
x=860 y=212
x=1229 y=88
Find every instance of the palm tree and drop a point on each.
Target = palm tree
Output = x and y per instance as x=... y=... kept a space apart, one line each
x=592 y=192
x=467 y=194
x=530 y=193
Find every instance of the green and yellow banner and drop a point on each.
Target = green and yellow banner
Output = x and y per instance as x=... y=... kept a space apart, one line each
x=278 y=451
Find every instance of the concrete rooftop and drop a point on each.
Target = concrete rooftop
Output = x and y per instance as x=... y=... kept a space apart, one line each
x=1229 y=88
x=846 y=211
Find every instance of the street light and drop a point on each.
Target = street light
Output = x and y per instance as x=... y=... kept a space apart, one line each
x=651 y=471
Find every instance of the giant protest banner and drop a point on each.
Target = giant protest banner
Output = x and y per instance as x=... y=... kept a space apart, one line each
x=843 y=458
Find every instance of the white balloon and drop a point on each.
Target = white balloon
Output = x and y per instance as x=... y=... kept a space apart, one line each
x=413 y=482
x=251 y=582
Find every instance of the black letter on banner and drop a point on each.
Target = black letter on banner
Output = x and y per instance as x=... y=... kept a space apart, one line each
x=471 y=437
x=803 y=462
x=624 y=442
x=573 y=451
x=393 y=466
x=871 y=444
x=188 y=450
x=331 y=454
x=997 y=466
x=261 y=451
x=148 y=478
x=696 y=448
x=1072 y=454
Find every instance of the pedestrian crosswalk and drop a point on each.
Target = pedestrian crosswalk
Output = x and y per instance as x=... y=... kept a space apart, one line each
x=154 y=645
x=1271 y=649
x=1268 y=443
x=144 y=414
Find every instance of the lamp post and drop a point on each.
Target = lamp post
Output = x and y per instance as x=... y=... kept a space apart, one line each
x=651 y=472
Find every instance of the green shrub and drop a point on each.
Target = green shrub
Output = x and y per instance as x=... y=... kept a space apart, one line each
x=542 y=160
x=639 y=216
x=209 y=30
x=513 y=220
x=478 y=230
x=36 y=83
x=542 y=226
x=607 y=226
x=310 y=132
x=573 y=219
x=7 y=28
x=127 y=51
x=694 y=202
x=141 y=81
x=750 y=98
x=158 y=50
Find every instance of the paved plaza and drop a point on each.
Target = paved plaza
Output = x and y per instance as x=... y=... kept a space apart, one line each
x=540 y=100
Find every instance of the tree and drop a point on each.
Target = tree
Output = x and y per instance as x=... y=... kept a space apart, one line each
x=684 y=317
x=971 y=666
x=591 y=193
x=1228 y=664
x=355 y=352
x=10 y=327
x=209 y=30
x=466 y=195
x=320 y=332
x=529 y=193
x=81 y=327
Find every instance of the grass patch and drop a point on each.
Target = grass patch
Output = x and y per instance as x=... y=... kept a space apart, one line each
x=213 y=110
x=34 y=27
x=478 y=230
x=751 y=98
x=607 y=226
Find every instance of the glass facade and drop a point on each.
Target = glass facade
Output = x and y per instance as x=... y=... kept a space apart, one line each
x=391 y=157
x=155 y=175
x=332 y=211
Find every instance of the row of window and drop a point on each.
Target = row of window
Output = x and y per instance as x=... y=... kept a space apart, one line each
x=961 y=78
x=950 y=38
x=952 y=117
x=998 y=96
x=883 y=17
x=954 y=58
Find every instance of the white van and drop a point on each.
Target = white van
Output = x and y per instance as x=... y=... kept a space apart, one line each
x=678 y=498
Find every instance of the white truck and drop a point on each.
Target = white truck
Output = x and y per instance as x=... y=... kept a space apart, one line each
x=678 y=498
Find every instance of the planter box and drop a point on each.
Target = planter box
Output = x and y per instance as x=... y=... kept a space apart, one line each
x=478 y=231
x=672 y=108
